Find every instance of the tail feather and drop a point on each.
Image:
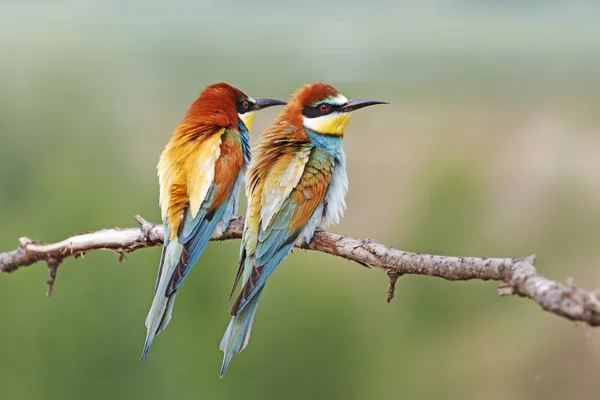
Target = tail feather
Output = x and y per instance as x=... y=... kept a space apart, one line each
x=237 y=334
x=162 y=306
x=167 y=315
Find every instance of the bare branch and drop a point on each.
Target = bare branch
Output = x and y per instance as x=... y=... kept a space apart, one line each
x=518 y=275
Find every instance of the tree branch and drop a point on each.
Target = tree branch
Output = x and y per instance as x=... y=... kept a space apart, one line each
x=518 y=275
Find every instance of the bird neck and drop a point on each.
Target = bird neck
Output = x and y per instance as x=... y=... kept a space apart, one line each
x=245 y=139
x=331 y=144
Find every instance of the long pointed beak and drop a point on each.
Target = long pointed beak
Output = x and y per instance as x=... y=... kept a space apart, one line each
x=355 y=104
x=262 y=102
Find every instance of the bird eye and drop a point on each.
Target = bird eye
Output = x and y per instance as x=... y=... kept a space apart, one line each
x=324 y=108
x=245 y=104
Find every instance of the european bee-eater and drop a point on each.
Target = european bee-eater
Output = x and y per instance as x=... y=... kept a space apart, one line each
x=200 y=172
x=296 y=182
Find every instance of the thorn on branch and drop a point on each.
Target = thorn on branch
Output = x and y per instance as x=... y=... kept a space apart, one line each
x=24 y=241
x=52 y=268
x=145 y=226
x=505 y=290
x=394 y=276
x=120 y=254
x=363 y=243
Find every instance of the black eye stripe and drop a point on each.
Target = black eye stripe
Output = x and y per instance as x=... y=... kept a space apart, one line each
x=314 y=112
x=239 y=105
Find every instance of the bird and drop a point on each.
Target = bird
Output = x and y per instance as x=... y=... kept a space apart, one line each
x=296 y=183
x=200 y=172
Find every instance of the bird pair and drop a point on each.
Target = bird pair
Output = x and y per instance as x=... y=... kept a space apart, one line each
x=295 y=182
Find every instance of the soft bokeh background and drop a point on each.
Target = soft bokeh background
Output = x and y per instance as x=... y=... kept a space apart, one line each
x=491 y=148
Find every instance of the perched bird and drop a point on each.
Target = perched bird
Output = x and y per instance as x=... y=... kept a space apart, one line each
x=295 y=183
x=200 y=173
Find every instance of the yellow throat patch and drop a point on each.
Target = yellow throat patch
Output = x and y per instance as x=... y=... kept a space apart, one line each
x=247 y=119
x=331 y=124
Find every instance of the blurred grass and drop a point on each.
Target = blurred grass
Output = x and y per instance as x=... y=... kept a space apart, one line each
x=490 y=148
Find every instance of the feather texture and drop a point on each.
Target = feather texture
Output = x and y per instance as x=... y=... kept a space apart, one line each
x=278 y=185
x=275 y=240
x=201 y=171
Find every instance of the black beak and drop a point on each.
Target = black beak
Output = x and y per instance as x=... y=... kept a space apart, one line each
x=262 y=102
x=355 y=104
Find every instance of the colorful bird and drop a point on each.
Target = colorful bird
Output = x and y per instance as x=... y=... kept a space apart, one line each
x=200 y=172
x=296 y=182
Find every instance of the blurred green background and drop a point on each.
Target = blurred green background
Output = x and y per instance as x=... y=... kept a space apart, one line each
x=490 y=148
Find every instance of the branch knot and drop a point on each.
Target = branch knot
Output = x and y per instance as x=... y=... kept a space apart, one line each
x=145 y=227
x=53 y=264
x=393 y=276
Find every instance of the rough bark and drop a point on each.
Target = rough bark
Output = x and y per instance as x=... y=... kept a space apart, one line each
x=518 y=275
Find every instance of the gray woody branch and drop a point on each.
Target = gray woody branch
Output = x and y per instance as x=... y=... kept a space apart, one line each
x=518 y=275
